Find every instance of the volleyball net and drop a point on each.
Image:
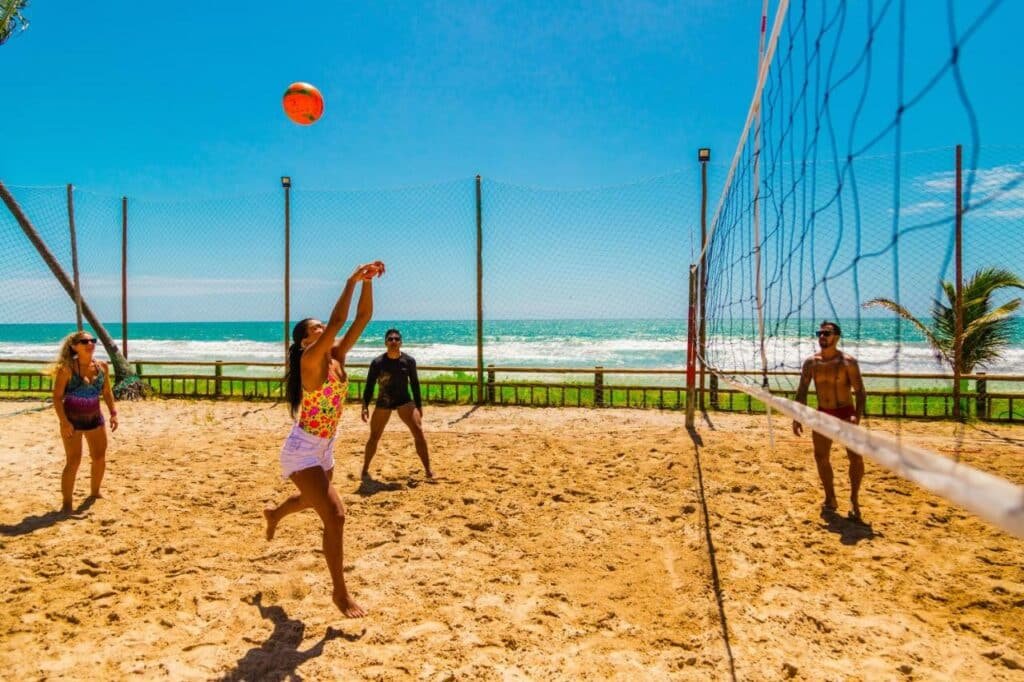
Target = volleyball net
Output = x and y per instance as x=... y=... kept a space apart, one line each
x=824 y=215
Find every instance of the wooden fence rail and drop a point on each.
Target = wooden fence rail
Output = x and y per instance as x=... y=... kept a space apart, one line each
x=597 y=391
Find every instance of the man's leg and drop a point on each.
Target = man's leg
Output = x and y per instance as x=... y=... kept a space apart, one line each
x=856 y=476
x=411 y=416
x=378 y=420
x=822 y=449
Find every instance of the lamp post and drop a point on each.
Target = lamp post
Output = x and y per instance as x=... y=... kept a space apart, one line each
x=286 y=183
x=703 y=157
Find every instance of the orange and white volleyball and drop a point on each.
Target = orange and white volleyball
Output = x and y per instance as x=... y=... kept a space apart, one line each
x=303 y=103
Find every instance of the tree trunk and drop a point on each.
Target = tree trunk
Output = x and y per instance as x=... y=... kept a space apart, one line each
x=121 y=367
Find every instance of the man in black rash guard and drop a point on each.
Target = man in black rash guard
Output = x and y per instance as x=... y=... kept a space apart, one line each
x=395 y=373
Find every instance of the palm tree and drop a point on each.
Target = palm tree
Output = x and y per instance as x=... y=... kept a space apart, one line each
x=12 y=18
x=986 y=333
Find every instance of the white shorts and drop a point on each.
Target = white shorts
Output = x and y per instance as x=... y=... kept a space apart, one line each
x=303 y=450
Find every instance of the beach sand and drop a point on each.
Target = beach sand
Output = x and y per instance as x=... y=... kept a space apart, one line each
x=557 y=544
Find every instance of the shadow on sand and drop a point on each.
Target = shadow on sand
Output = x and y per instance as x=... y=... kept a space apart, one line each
x=369 y=486
x=31 y=524
x=279 y=656
x=716 y=583
x=850 y=531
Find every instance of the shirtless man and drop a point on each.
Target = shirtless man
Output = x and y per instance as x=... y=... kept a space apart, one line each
x=835 y=375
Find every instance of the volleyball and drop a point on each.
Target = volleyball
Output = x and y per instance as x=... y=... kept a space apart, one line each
x=303 y=103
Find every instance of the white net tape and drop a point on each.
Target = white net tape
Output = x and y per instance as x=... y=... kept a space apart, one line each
x=995 y=499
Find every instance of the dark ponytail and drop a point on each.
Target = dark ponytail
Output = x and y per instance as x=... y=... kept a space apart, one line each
x=293 y=375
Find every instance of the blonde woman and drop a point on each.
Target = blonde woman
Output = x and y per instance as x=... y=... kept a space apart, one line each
x=79 y=383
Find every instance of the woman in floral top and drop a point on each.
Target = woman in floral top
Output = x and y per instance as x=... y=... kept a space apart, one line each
x=315 y=386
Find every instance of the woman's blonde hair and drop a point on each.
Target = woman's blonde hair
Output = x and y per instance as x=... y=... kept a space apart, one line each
x=66 y=354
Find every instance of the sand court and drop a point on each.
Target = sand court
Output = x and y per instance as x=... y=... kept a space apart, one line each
x=556 y=544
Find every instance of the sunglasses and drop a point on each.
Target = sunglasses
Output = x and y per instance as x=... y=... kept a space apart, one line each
x=89 y=341
x=396 y=339
x=820 y=334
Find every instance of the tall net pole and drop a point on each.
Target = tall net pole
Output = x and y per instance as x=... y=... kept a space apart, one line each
x=124 y=276
x=479 y=292
x=74 y=256
x=958 y=341
x=757 y=207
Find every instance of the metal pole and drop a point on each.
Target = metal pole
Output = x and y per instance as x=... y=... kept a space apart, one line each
x=959 y=339
x=691 y=350
x=703 y=156
x=74 y=257
x=479 y=293
x=757 y=207
x=124 y=276
x=286 y=182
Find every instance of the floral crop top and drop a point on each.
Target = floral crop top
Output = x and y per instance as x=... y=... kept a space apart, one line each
x=321 y=409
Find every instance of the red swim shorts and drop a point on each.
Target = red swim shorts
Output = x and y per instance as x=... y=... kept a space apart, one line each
x=846 y=412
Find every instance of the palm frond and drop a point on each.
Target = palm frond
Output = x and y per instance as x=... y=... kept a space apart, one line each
x=999 y=314
x=941 y=346
x=11 y=18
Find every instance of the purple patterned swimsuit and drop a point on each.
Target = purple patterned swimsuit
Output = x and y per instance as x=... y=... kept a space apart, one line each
x=82 y=401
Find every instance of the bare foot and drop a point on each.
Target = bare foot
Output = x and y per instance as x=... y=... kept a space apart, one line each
x=96 y=495
x=347 y=606
x=66 y=507
x=830 y=504
x=268 y=514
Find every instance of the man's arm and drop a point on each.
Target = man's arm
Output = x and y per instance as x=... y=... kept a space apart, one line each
x=806 y=373
x=414 y=383
x=371 y=383
x=857 y=384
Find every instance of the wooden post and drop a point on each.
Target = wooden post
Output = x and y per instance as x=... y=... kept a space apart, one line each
x=958 y=341
x=714 y=390
x=218 y=373
x=124 y=276
x=599 y=386
x=479 y=293
x=981 y=400
x=74 y=257
x=490 y=384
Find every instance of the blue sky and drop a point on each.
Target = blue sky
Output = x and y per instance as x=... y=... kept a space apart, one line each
x=133 y=98
x=179 y=107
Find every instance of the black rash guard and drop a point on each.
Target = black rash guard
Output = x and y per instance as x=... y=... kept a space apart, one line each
x=395 y=377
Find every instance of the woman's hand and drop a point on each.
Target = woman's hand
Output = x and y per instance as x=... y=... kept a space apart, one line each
x=66 y=429
x=113 y=422
x=367 y=271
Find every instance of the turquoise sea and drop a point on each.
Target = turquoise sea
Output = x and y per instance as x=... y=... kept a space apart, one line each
x=638 y=343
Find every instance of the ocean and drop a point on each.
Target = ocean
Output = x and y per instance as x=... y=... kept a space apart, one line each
x=638 y=343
